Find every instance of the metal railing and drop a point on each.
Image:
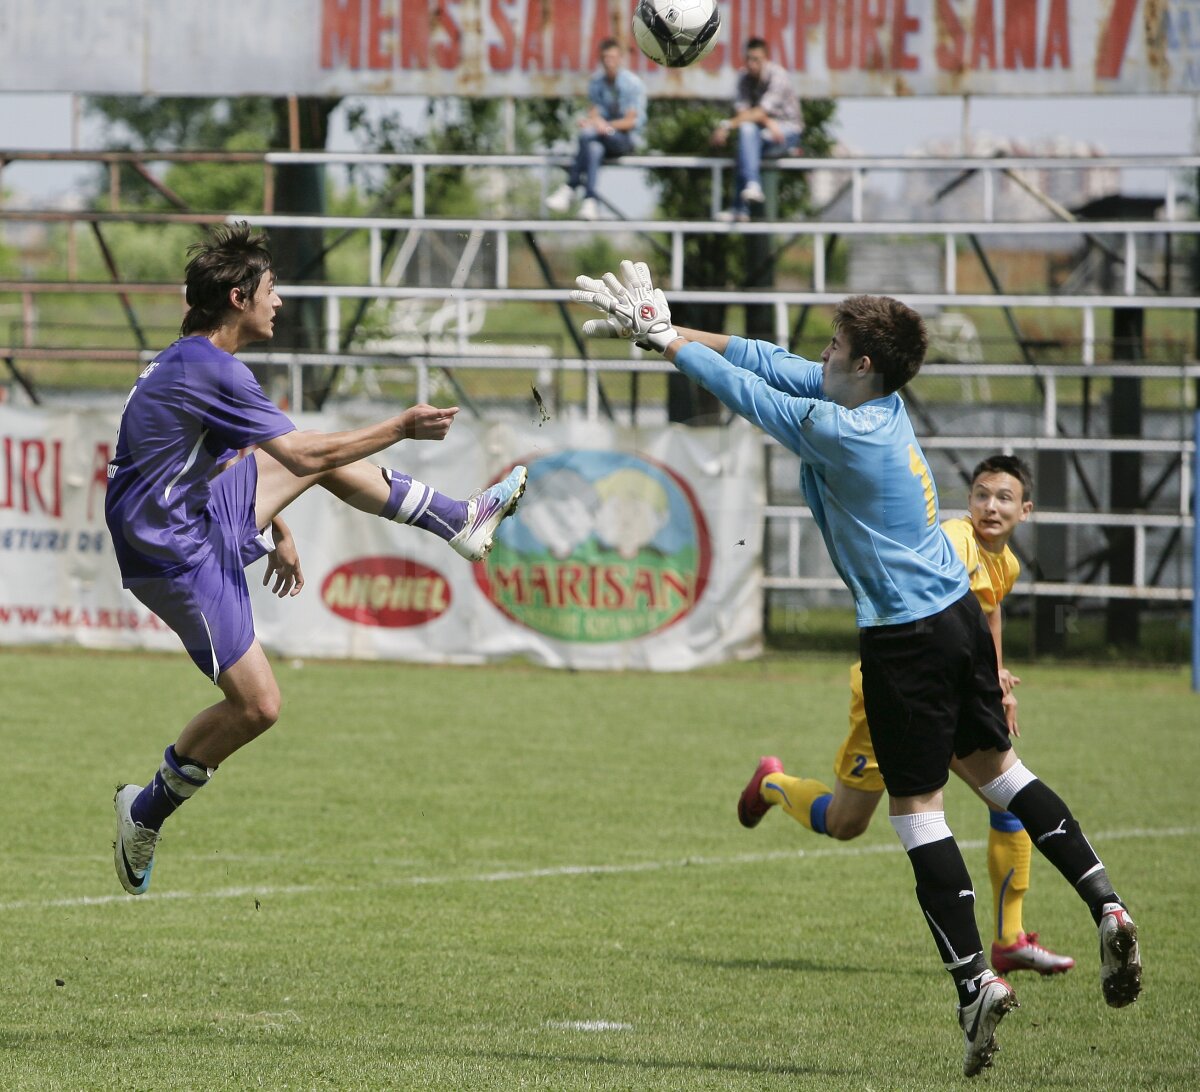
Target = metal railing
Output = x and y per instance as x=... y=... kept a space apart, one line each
x=856 y=169
x=1128 y=242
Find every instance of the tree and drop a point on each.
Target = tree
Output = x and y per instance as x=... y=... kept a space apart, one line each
x=233 y=124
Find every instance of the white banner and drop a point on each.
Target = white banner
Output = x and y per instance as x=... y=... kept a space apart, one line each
x=632 y=548
x=533 y=48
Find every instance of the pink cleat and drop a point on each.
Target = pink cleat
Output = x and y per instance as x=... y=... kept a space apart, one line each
x=751 y=806
x=1026 y=954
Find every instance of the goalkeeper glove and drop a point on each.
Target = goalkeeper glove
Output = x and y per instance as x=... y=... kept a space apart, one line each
x=632 y=306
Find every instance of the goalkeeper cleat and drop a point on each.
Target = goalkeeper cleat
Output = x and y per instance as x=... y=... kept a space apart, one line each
x=751 y=806
x=133 y=851
x=486 y=511
x=980 y=1019
x=1026 y=954
x=1120 y=959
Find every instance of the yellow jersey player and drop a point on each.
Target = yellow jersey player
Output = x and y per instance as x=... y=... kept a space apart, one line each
x=1001 y=498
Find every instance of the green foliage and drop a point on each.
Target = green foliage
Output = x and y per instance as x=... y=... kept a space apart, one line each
x=228 y=187
x=178 y=124
x=817 y=141
x=570 y=856
x=685 y=127
x=452 y=126
x=597 y=252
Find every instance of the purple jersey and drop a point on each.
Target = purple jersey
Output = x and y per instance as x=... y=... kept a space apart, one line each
x=190 y=411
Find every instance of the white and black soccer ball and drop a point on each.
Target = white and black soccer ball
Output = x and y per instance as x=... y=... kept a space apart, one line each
x=676 y=33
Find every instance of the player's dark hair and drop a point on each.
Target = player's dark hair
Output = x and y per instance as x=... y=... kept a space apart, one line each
x=890 y=333
x=606 y=45
x=758 y=43
x=1007 y=464
x=228 y=257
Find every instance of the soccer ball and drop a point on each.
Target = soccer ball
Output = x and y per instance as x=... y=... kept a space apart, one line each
x=676 y=33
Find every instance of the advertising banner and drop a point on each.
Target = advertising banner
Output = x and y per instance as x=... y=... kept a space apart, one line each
x=535 y=48
x=632 y=548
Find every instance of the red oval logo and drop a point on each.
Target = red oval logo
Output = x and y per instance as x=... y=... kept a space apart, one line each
x=386 y=591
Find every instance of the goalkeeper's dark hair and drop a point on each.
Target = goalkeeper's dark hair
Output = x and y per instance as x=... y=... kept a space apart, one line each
x=1007 y=464
x=228 y=257
x=886 y=330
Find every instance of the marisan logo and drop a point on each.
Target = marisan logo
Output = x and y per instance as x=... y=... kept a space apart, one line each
x=386 y=591
x=605 y=547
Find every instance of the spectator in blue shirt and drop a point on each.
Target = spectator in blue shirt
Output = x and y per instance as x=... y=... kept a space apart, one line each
x=612 y=127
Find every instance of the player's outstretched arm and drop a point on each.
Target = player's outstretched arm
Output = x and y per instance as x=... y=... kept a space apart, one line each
x=635 y=309
x=717 y=342
x=305 y=453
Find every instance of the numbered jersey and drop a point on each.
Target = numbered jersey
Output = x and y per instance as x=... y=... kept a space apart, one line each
x=863 y=474
x=192 y=410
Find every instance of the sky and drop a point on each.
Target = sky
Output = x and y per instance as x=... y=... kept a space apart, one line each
x=1120 y=125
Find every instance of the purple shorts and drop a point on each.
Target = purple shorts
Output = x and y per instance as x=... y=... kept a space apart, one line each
x=208 y=605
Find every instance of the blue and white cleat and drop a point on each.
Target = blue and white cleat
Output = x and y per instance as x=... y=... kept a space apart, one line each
x=133 y=851
x=486 y=511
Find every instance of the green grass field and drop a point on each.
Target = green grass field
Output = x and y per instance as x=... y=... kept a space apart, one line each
x=504 y=877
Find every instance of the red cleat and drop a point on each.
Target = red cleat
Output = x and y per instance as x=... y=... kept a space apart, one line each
x=1026 y=954
x=751 y=806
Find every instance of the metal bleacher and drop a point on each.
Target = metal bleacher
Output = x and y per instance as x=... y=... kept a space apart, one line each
x=443 y=316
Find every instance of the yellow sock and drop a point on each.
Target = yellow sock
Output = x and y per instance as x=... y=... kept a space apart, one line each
x=794 y=794
x=1009 y=852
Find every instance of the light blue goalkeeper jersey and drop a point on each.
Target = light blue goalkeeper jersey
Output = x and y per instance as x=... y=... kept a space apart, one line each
x=863 y=474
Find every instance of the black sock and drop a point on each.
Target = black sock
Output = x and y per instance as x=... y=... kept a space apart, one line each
x=947 y=900
x=968 y=978
x=1055 y=833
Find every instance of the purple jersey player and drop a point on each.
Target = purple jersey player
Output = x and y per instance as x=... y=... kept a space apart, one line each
x=204 y=465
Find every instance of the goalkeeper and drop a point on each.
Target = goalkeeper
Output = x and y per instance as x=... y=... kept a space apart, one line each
x=1000 y=499
x=930 y=683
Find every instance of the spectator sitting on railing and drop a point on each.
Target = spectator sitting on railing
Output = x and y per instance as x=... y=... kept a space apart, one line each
x=766 y=115
x=612 y=127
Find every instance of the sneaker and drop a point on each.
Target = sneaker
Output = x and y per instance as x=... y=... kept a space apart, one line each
x=133 y=851
x=1120 y=960
x=485 y=512
x=1026 y=954
x=589 y=209
x=751 y=806
x=753 y=193
x=980 y=1019
x=561 y=199
x=733 y=216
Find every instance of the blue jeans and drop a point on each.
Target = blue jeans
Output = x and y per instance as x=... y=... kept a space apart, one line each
x=593 y=148
x=754 y=144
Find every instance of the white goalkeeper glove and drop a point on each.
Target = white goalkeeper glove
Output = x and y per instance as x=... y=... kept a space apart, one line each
x=633 y=307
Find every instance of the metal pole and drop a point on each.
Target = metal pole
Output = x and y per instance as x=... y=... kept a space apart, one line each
x=1196 y=553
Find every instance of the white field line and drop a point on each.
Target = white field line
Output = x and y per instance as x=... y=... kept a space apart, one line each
x=588 y=1025
x=520 y=875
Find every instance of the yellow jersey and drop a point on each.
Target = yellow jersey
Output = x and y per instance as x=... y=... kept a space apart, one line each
x=992 y=575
